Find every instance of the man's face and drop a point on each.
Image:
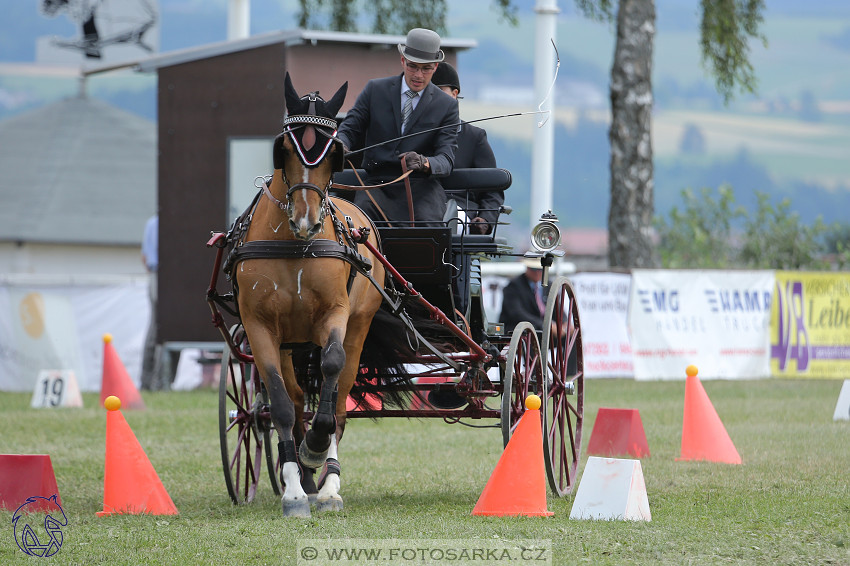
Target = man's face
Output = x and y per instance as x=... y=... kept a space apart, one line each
x=417 y=75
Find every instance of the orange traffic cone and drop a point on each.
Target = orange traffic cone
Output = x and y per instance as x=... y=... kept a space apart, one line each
x=518 y=484
x=116 y=381
x=130 y=484
x=703 y=435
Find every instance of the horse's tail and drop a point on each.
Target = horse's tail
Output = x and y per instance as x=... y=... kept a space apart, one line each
x=389 y=345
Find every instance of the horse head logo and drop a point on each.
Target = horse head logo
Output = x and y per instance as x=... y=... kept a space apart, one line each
x=34 y=536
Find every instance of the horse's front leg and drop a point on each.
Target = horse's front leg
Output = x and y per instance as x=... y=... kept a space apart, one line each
x=329 y=498
x=295 y=502
x=314 y=449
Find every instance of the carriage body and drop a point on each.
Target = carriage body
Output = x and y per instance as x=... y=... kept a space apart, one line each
x=480 y=370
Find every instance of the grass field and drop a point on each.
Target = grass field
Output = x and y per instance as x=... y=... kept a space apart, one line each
x=789 y=503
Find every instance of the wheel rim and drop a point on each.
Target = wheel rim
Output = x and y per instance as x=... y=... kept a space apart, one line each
x=523 y=375
x=563 y=405
x=241 y=446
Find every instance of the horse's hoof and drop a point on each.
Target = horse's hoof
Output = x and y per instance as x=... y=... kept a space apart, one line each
x=297 y=508
x=329 y=504
x=309 y=458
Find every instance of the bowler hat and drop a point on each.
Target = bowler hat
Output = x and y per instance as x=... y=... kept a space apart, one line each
x=422 y=46
x=446 y=75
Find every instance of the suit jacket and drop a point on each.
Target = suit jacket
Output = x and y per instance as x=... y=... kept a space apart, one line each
x=376 y=117
x=520 y=304
x=473 y=151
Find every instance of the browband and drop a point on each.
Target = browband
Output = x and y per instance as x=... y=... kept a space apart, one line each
x=310 y=120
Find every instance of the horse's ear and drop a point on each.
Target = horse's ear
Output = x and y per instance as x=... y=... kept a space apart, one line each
x=292 y=98
x=335 y=103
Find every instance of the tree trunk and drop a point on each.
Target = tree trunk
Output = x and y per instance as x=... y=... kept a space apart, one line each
x=632 y=205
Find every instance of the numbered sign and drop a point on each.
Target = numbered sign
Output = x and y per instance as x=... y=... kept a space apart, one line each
x=842 y=408
x=56 y=388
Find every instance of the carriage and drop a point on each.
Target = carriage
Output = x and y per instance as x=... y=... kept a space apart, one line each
x=458 y=366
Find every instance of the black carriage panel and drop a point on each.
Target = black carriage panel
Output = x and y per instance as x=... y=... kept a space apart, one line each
x=420 y=254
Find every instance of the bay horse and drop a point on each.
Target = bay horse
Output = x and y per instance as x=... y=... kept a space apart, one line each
x=313 y=295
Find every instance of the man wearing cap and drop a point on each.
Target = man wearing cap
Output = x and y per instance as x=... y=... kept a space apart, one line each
x=473 y=151
x=401 y=105
x=524 y=297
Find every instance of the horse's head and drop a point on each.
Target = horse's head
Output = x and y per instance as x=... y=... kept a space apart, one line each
x=306 y=155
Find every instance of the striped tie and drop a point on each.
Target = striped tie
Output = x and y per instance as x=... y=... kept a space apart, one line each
x=408 y=108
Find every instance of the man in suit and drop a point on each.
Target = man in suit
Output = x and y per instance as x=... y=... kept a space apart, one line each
x=473 y=151
x=401 y=105
x=524 y=298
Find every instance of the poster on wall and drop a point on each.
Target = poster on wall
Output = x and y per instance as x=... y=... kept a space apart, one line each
x=810 y=325
x=603 y=306
x=717 y=320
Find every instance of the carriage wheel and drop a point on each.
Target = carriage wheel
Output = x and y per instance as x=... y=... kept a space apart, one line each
x=563 y=399
x=523 y=375
x=239 y=403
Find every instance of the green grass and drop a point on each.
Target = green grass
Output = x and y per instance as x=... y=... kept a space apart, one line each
x=789 y=503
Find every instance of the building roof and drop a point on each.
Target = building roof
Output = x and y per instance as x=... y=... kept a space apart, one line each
x=288 y=37
x=78 y=171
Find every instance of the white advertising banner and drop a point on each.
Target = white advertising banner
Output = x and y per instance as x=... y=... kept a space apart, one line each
x=717 y=320
x=603 y=307
x=61 y=327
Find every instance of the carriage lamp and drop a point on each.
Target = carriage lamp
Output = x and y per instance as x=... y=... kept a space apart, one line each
x=546 y=236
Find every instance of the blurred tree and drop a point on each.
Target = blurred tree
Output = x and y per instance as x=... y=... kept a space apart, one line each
x=838 y=245
x=725 y=30
x=711 y=232
x=777 y=239
x=700 y=234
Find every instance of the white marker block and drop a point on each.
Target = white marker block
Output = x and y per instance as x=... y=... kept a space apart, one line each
x=56 y=388
x=842 y=408
x=611 y=489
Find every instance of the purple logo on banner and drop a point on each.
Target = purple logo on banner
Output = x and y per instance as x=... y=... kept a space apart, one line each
x=792 y=344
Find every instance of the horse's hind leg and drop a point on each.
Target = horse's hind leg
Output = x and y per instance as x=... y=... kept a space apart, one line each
x=317 y=441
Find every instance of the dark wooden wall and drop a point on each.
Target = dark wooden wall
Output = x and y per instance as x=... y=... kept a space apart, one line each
x=200 y=105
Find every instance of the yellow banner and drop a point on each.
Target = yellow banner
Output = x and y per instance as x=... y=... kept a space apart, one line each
x=810 y=325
